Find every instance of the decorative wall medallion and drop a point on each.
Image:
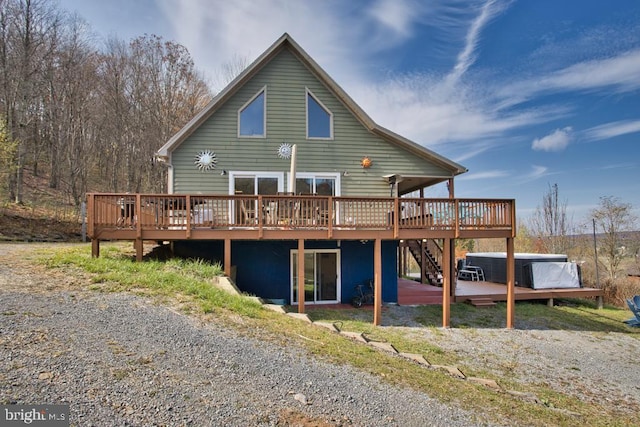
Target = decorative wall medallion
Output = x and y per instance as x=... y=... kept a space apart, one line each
x=206 y=160
x=284 y=151
x=366 y=162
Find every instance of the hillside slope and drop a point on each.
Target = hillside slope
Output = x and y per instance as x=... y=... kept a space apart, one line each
x=45 y=215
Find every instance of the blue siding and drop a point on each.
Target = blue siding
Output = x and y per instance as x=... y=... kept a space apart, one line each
x=357 y=267
x=262 y=267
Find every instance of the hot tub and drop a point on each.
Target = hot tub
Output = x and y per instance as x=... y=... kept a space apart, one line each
x=494 y=265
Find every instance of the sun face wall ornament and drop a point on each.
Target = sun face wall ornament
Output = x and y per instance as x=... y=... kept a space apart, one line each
x=206 y=160
x=366 y=162
x=284 y=151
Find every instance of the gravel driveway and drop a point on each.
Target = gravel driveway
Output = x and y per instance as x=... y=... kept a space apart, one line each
x=119 y=359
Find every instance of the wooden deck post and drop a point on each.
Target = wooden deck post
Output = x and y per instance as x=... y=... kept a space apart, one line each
x=423 y=262
x=137 y=244
x=90 y=215
x=300 y=275
x=227 y=257
x=95 y=248
x=452 y=269
x=377 y=282
x=446 y=283
x=396 y=216
x=511 y=280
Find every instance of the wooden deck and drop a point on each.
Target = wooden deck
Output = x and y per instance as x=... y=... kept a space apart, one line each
x=171 y=217
x=411 y=292
x=300 y=218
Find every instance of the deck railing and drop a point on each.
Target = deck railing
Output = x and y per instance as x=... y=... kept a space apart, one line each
x=184 y=211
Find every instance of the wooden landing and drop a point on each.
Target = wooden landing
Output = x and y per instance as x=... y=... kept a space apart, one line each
x=411 y=292
x=414 y=293
x=466 y=290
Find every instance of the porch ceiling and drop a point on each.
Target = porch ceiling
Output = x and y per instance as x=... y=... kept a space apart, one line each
x=407 y=184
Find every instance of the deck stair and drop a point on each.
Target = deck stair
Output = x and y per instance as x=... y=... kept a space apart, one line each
x=481 y=302
x=432 y=254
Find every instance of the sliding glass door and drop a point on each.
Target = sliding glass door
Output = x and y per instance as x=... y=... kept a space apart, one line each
x=321 y=276
x=252 y=183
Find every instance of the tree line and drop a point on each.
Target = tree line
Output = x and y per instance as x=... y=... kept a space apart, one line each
x=87 y=114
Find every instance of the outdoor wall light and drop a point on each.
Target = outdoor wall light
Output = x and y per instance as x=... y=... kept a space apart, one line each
x=345 y=173
x=224 y=172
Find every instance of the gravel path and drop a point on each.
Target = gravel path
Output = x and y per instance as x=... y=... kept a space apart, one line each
x=119 y=359
x=596 y=367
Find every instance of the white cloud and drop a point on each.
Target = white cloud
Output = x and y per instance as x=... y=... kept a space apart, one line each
x=466 y=57
x=611 y=130
x=484 y=175
x=537 y=171
x=215 y=31
x=619 y=73
x=428 y=111
x=558 y=140
x=395 y=15
x=619 y=166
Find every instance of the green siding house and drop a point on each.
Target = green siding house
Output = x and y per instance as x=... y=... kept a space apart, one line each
x=284 y=127
x=301 y=197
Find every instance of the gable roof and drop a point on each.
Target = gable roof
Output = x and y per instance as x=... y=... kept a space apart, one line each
x=287 y=42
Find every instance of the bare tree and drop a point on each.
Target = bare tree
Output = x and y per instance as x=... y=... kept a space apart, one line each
x=229 y=71
x=166 y=92
x=613 y=218
x=115 y=120
x=28 y=38
x=7 y=154
x=550 y=225
x=70 y=101
x=92 y=118
x=149 y=89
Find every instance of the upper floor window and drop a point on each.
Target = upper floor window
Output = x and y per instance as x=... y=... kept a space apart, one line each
x=252 y=116
x=319 y=119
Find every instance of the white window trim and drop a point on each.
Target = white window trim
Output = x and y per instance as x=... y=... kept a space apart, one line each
x=264 y=114
x=338 y=275
x=255 y=175
x=306 y=105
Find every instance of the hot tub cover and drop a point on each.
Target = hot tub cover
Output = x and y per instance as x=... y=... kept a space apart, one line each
x=555 y=275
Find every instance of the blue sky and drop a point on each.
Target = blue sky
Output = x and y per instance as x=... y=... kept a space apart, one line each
x=525 y=94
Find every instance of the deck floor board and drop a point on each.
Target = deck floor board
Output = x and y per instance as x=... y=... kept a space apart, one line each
x=411 y=292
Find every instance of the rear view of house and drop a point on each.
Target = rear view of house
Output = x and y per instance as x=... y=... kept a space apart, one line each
x=301 y=196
